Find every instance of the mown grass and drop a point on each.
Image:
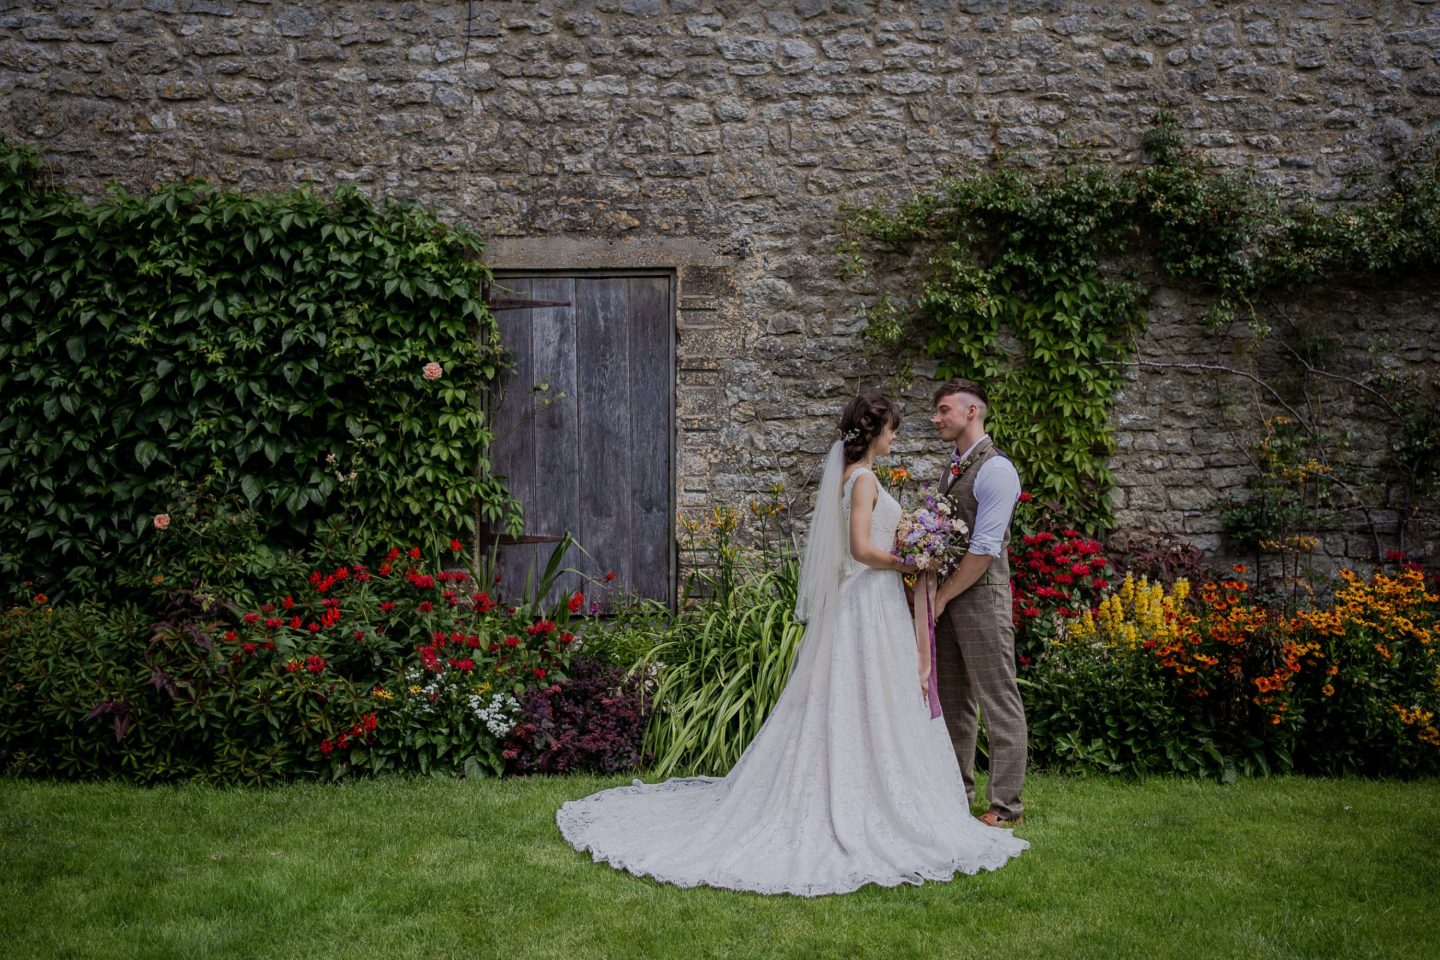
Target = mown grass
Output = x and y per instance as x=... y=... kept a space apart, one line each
x=406 y=868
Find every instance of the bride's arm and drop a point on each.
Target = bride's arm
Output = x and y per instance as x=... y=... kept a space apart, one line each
x=862 y=505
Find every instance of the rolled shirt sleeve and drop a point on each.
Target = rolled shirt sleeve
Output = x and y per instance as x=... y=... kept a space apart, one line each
x=997 y=488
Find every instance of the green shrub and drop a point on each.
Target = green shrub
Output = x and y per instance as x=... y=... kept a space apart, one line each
x=728 y=656
x=308 y=355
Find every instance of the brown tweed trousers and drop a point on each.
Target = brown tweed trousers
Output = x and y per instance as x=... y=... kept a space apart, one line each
x=975 y=665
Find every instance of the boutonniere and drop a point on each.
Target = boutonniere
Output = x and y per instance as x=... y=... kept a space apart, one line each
x=959 y=466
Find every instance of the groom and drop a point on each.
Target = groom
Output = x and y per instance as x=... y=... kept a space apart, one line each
x=975 y=637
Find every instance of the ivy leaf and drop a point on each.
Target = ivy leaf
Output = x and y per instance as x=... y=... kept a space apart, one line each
x=145 y=453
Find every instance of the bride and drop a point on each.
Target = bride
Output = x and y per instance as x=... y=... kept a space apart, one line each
x=849 y=781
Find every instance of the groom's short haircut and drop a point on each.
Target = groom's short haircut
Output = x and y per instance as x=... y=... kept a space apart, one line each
x=963 y=386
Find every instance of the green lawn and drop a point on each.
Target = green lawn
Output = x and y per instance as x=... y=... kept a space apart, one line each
x=403 y=868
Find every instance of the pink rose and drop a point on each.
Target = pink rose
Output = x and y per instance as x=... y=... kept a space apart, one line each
x=433 y=370
x=162 y=520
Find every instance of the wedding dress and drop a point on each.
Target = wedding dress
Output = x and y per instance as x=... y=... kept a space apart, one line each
x=849 y=781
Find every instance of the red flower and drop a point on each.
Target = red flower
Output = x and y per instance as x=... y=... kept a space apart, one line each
x=497 y=578
x=315 y=664
x=455 y=545
x=567 y=637
x=393 y=553
x=292 y=666
x=1024 y=660
x=609 y=575
x=494 y=647
x=414 y=553
x=512 y=641
x=1099 y=583
x=288 y=602
x=384 y=569
x=954 y=469
x=268 y=644
x=387 y=606
x=359 y=635
x=464 y=666
x=541 y=627
x=540 y=673
x=249 y=648
x=230 y=635
x=252 y=618
x=326 y=746
x=295 y=623
x=577 y=601
x=1026 y=497
x=425 y=606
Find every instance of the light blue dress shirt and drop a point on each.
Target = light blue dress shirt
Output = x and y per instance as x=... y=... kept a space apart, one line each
x=997 y=489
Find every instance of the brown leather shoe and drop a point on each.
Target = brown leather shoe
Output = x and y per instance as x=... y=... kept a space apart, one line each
x=992 y=819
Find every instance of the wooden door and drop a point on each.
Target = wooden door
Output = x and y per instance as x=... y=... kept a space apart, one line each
x=585 y=425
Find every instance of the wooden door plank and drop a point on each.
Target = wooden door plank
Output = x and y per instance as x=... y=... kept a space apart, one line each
x=605 y=395
x=556 y=429
x=650 y=417
x=511 y=449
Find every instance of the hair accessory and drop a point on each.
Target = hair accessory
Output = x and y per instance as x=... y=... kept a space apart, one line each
x=851 y=434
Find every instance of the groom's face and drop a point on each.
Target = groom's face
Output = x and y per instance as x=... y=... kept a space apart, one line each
x=953 y=413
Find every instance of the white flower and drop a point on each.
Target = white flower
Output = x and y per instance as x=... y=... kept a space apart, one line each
x=498 y=714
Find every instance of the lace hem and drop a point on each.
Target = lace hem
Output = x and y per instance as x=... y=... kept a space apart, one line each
x=577 y=818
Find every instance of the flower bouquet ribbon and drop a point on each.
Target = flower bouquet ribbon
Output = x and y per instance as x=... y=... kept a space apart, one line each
x=925 y=588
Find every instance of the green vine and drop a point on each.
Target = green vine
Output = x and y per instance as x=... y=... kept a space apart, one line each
x=1032 y=282
x=271 y=349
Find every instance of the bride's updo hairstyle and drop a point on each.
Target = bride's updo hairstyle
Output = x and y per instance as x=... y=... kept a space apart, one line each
x=864 y=418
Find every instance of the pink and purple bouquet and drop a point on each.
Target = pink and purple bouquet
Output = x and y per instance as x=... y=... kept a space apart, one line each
x=931 y=536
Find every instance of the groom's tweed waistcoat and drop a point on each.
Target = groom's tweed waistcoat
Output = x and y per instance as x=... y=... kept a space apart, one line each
x=975 y=664
x=962 y=492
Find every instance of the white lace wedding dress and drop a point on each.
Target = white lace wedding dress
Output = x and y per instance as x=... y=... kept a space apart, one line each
x=849 y=781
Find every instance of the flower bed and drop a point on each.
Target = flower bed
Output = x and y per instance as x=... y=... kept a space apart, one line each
x=401 y=665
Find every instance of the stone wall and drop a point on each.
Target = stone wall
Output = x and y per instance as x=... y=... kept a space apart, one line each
x=721 y=139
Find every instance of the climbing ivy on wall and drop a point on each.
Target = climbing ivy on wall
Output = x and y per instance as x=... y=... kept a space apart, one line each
x=1031 y=281
x=304 y=355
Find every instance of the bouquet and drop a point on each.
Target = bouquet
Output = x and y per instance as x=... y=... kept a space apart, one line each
x=934 y=539
x=930 y=536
